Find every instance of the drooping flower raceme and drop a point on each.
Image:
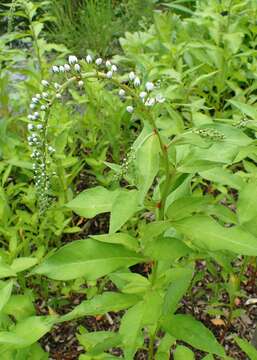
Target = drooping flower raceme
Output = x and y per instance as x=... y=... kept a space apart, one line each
x=135 y=93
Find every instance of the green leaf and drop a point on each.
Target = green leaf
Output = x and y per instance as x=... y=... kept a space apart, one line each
x=246 y=205
x=183 y=353
x=92 y=202
x=86 y=258
x=22 y=334
x=101 y=304
x=119 y=238
x=19 y=306
x=147 y=164
x=5 y=293
x=223 y=176
x=193 y=332
x=123 y=208
x=247 y=348
x=5 y=270
x=176 y=290
x=163 y=351
x=184 y=206
x=206 y=233
x=23 y=263
x=130 y=330
x=166 y=248
x=130 y=283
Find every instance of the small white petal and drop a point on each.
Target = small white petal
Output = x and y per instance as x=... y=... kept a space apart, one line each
x=39 y=126
x=35 y=100
x=45 y=83
x=80 y=83
x=32 y=106
x=109 y=74
x=99 y=61
x=132 y=76
x=43 y=107
x=77 y=67
x=36 y=115
x=89 y=59
x=58 y=96
x=45 y=94
x=137 y=81
x=114 y=68
x=57 y=86
x=160 y=99
x=55 y=69
x=72 y=59
x=38 y=96
x=122 y=92
x=143 y=94
x=150 y=102
x=30 y=127
x=130 y=109
x=62 y=69
x=108 y=63
x=149 y=86
x=67 y=67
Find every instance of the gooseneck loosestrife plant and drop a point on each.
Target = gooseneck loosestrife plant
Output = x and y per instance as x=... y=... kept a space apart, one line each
x=160 y=217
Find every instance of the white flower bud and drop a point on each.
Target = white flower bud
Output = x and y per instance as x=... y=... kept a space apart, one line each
x=30 y=127
x=80 y=83
x=30 y=117
x=61 y=68
x=73 y=59
x=58 y=96
x=122 y=92
x=137 y=81
x=35 y=100
x=55 y=69
x=130 y=109
x=108 y=64
x=150 y=102
x=99 y=61
x=109 y=74
x=39 y=126
x=36 y=115
x=89 y=59
x=67 y=67
x=43 y=107
x=45 y=83
x=77 y=67
x=149 y=86
x=132 y=76
x=38 y=96
x=57 y=86
x=51 y=149
x=142 y=95
x=114 y=68
x=160 y=99
x=32 y=106
x=45 y=94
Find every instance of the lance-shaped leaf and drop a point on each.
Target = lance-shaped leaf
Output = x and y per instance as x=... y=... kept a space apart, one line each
x=206 y=233
x=86 y=258
x=101 y=304
x=193 y=332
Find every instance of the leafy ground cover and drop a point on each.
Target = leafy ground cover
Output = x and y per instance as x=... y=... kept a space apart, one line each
x=128 y=180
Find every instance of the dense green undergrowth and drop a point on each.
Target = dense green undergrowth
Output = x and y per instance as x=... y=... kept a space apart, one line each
x=162 y=139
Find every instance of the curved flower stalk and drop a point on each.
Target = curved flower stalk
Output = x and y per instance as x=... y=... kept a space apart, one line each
x=131 y=91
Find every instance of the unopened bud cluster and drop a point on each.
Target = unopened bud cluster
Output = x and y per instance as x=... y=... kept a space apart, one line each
x=209 y=133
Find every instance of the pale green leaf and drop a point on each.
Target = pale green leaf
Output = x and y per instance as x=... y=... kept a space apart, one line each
x=86 y=258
